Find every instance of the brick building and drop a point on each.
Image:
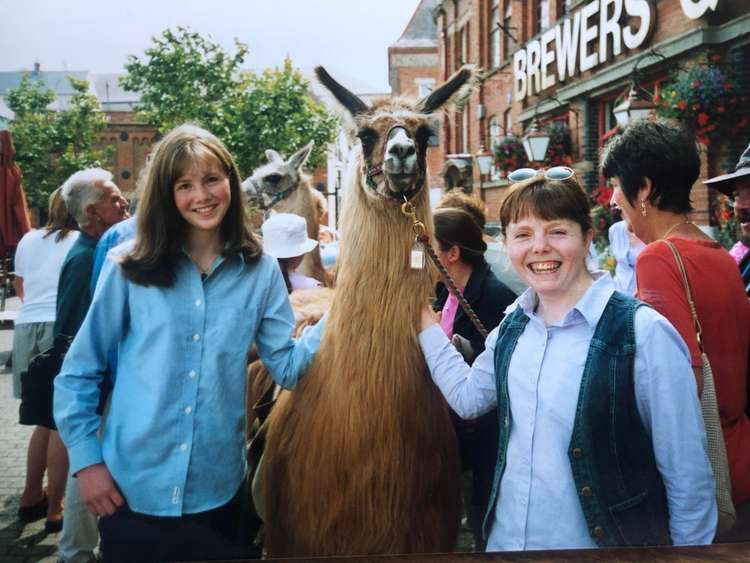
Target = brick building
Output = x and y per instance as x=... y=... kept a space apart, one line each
x=131 y=140
x=578 y=83
x=414 y=71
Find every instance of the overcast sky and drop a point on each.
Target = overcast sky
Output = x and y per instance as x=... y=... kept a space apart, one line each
x=351 y=36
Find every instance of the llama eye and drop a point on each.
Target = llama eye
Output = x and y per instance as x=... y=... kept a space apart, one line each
x=273 y=178
x=424 y=133
x=367 y=137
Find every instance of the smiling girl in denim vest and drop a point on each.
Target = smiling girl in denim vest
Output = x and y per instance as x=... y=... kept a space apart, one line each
x=601 y=436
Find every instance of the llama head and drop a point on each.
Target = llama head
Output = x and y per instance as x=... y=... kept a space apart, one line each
x=393 y=135
x=277 y=179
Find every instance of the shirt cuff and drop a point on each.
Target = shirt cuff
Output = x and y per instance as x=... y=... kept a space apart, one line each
x=84 y=454
x=432 y=338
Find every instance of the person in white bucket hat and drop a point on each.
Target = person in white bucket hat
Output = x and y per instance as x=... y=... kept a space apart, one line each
x=285 y=238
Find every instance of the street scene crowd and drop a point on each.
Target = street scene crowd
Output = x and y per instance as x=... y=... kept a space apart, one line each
x=582 y=401
x=498 y=310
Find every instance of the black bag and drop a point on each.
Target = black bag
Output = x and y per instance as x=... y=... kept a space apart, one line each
x=37 y=385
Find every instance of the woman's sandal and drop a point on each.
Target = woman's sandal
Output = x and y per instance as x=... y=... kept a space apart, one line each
x=33 y=512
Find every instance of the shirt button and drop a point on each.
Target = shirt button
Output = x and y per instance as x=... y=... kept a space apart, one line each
x=586 y=491
x=188 y=410
x=196 y=337
x=598 y=531
x=193 y=373
x=577 y=453
x=183 y=447
x=198 y=302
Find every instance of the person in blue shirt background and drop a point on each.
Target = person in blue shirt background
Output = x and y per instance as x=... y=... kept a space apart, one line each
x=181 y=305
x=602 y=440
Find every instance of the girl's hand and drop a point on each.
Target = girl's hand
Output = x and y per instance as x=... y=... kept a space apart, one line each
x=98 y=490
x=429 y=317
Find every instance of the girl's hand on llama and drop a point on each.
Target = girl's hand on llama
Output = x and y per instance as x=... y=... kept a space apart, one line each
x=98 y=490
x=429 y=317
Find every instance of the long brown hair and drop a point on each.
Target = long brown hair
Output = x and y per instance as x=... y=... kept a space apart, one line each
x=59 y=220
x=161 y=230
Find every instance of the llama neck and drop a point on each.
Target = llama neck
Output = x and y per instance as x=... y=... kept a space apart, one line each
x=374 y=276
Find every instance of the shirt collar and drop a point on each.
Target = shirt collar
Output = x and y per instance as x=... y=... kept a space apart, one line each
x=590 y=306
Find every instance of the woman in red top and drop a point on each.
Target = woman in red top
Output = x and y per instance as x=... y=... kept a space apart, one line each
x=652 y=166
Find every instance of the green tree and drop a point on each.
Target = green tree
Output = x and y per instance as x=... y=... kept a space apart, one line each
x=186 y=77
x=278 y=112
x=51 y=145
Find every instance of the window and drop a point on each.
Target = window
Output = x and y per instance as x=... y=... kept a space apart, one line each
x=507 y=122
x=464 y=130
x=495 y=132
x=508 y=43
x=464 y=37
x=425 y=86
x=495 y=33
x=495 y=136
x=541 y=17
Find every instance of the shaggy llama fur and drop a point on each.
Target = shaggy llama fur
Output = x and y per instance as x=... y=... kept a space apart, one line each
x=361 y=457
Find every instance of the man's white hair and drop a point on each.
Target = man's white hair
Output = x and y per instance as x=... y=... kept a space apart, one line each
x=83 y=189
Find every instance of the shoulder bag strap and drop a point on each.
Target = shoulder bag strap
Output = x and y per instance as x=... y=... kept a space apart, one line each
x=688 y=293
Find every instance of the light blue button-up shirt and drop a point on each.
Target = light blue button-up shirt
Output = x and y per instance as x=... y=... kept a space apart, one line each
x=174 y=437
x=538 y=506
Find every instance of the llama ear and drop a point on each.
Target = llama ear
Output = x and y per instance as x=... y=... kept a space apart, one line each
x=463 y=77
x=298 y=159
x=351 y=102
x=274 y=157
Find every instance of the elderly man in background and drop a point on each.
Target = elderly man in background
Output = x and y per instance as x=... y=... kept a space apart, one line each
x=737 y=186
x=96 y=203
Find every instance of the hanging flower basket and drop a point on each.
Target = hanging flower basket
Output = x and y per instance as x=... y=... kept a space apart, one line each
x=560 y=146
x=510 y=154
x=602 y=217
x=706 y=100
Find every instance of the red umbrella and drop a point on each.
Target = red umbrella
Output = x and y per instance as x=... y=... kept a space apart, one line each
x=14 y=213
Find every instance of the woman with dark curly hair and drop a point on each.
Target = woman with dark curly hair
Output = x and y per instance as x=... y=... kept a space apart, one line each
x=652 y=167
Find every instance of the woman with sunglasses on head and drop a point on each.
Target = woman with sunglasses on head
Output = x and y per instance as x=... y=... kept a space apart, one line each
x=652 y=167
x=180 y=306
x=601 y=437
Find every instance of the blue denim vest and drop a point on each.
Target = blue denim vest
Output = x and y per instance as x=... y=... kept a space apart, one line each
x=620 y=489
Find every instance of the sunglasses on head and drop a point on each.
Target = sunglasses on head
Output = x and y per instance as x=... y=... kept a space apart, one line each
x=554 y=173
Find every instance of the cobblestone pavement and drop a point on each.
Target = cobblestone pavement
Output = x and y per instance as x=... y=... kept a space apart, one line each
x=18 y=543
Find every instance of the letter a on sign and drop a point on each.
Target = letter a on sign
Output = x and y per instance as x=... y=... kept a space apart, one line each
x=694 y=9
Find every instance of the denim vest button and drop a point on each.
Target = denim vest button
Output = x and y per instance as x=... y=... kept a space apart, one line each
x=577 y=453
x=586 y=491
x=598 y=531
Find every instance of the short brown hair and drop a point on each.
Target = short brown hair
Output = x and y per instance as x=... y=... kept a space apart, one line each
x=161 y=230
x=548 y=200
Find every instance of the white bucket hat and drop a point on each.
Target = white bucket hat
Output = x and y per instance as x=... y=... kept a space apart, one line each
x=285 y=236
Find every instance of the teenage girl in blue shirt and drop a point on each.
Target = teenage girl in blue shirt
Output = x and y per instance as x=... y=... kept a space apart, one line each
x=180 y=305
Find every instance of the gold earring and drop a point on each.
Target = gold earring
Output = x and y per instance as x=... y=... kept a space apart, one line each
x=643 y=208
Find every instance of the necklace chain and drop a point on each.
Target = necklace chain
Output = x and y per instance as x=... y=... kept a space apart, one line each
x=673 y=227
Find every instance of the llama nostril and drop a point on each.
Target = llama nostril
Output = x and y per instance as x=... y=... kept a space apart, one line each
x=402 y=151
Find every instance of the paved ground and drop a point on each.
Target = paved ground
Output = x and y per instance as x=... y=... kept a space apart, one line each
x=18 y=543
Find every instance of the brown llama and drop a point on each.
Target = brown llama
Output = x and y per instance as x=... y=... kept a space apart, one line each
x=361 y=457
x=280 y=186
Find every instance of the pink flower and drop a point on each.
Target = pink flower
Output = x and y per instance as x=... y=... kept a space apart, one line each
x=702 y=118
x=682 y=104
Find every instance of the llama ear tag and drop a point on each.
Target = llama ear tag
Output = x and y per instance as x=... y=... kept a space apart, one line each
x=416 y=260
